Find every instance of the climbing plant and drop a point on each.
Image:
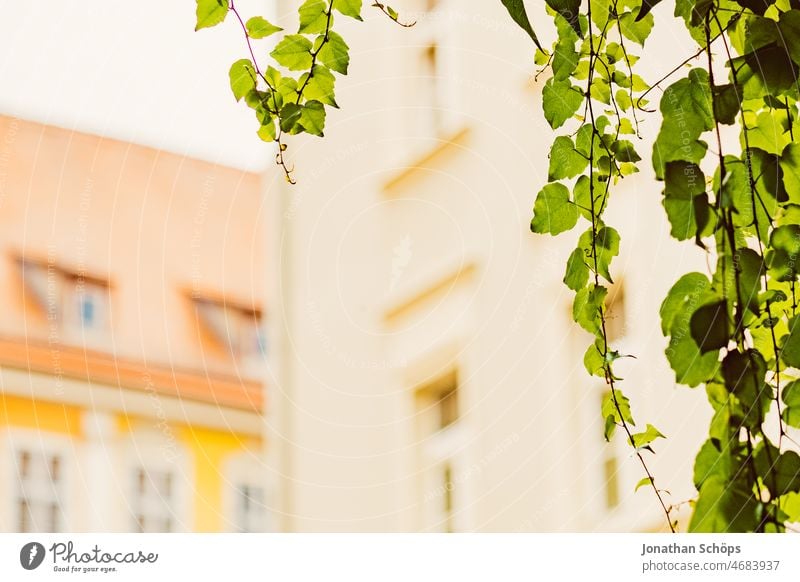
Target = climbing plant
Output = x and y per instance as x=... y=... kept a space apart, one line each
x=734 y=329
x=292 y=93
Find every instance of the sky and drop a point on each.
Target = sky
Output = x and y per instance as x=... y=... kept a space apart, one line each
x=135 y=71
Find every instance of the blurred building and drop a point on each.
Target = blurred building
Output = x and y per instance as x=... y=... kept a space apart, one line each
x=431 y=374
x=131 y=344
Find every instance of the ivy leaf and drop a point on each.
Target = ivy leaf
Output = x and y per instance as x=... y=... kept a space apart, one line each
x=267 y=132
x=565 y=57
x=243 y=78
x=790 y=168
x=643 y=439
x=750 y=266
x=258 y=27
x=615 y=411
x=781 y=471
x=593 y=359
x=637 y=28
x=685 y=294
x=565 y=160
x=789 y=26
x=577 y=273
x=624 y=150
x=586 y=307
x=709 y=326
x=724 y=507
x=569 y=10
x=560 y=101
x=712 y=461
x=210 y=13
x=320 y=85
x=744 y=376
x=691 y=367
x=351 y=8
x=516 y=8
x=293 y=52
x=335 y=54
x=685 y=199
x=647 y=6
x=790 y=348
x=766 y=131
x=553 y=212
x=290 y=115
x=726 y=103
x=606 y=247
x=312 y=118
x=757 y=6
x=313 y=17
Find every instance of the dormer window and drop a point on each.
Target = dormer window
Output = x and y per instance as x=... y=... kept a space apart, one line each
x=234 y=327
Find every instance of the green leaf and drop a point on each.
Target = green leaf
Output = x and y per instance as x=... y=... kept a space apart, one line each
x=293 y=52
x=320 y=85
x=516 y=8
x=565 y=57
x=647 y=6
x=290 y=115
x=643 y=439
x=243 y=78
x=351 y=8
x=685 y=199
x=751 y=269
x=791 y=394
x=267 y=132
x=724 y=507
x=614 y=411
x=766 y=131
x=586 y=307
x=646 y=481
x=565 y=160
x=624 y=150
x=553 y=212
x=335 y=54
x=636 y=29
x=210 y=13
x=789 y=25
x=577 y=273
x=691 y=367
x=569 y=10
x=258 y=27
x=560 y=101
x=312 y=118
x=790 y=169
x=681 y=300
x=709 y=326
x=744 y=377
x=782 y=261
x=593 y=359
x=757 y=6
x=780 y=471
x=687 y=112
x=606 y=247
x=727 y=100
x=313 y=17
x=790 y=347
x=712 y=461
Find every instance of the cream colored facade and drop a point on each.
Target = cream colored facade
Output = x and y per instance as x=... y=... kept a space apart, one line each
x=429 y=376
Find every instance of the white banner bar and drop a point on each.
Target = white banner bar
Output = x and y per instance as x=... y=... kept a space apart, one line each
x=399 y=557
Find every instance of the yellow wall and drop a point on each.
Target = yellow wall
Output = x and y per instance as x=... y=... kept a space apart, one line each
x=41 y=416
x=210 y=450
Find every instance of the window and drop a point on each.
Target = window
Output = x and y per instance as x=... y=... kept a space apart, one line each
x=39 y=491
x=153 y=500
x=236 y=328
x=250 y=509
x=88 y=304
x=431 y=90
x=610 y=469
x=73 y=300
x=437 y=421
